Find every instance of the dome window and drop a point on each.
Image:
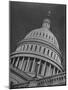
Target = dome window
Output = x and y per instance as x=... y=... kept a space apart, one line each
x=27 y=47
x=44 y=50
x=43 y=34
x=46 y=35
x=39 y=48
x=35 y=47
x=36 y=33
x=31 y=47
x=51 y=54
x=40 y=34
x=55 y=70
x=24 y=48
x=48 y=52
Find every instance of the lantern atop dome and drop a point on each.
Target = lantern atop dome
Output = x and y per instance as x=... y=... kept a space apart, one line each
x=46 y=23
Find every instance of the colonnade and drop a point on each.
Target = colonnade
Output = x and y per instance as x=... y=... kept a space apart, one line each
x=34 y=66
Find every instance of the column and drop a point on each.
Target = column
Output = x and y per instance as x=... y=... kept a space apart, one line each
x=13 y=60
x=56 y=57
x=33 y=66
x=43 y=69
x=16 y=64
x=10 y=61
x=39 y=66
x=57 y=71
x=54 y=71
x=48 y=73
x=49 y=70
x=23 y=66
x=21 y=63
x=27 y=66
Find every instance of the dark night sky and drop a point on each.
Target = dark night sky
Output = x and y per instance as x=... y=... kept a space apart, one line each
x=25 y=17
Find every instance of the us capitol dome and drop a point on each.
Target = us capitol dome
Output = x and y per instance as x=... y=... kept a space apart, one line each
x=37 y=58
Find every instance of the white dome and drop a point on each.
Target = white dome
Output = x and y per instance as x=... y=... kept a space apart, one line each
x=43 y=34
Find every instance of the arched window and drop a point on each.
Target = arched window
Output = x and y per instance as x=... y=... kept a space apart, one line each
x=39 y=48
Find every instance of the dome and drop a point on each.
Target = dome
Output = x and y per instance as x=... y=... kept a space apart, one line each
x=38 y=53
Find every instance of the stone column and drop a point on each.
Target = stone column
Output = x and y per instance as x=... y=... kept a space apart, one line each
x=16 y=64
x=13 y=60
x=43 y=69
x=39 y=66
x=27 y=66
x=54 y=71
x=56 y=57
x=33 y=66
x=21 y=63
x=50 y=70
x=48 y=73
x=57 y=71
x=23 y=66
